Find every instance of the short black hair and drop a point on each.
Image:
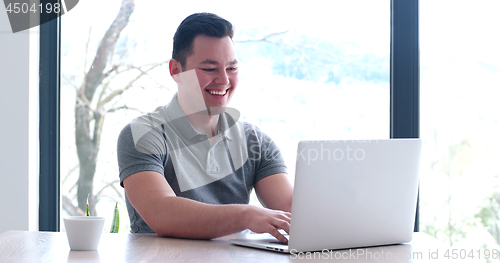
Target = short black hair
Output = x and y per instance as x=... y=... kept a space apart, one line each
x=200 y=23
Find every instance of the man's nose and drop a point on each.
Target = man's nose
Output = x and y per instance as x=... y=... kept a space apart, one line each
x=222 y=78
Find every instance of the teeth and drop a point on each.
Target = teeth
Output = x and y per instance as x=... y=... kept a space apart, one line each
x=221 y=93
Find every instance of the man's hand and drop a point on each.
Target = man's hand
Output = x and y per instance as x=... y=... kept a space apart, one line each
x=263 y=220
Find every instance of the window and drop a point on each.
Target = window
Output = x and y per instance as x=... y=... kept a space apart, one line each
x=460 y=80
x=305 y=73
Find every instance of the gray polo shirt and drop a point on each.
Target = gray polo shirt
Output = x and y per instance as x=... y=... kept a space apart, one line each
x=222 y=172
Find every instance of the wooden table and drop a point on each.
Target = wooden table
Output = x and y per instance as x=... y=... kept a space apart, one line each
x=24 y=246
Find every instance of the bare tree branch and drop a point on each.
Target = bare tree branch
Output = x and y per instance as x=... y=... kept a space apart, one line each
x=95 y=75
x=71 y=209
x=106 y=85
x=301 y=49
x=86 y=140
x=262 y=39
x=86 y=55
x=69 y=81
x=69 y=172
x=98 y=128
x=124 y=107
x=109 y=184
x=129 y=85
x=73 y=187
x=82 y=99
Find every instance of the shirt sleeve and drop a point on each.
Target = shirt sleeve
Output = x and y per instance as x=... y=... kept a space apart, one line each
x=265 y=154
x=144 y=154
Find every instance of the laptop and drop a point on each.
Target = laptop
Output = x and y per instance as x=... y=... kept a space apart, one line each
x=350 y=194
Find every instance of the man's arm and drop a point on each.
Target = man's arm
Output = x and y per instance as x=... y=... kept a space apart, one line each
x=169 y=215
x=275 y=192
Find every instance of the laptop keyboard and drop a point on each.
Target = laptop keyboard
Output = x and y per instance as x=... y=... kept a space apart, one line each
x=279 y=243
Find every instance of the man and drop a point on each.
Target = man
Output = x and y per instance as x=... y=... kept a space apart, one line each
x=188 y=168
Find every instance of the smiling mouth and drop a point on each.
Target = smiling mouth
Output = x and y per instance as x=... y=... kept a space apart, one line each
x=218 y=93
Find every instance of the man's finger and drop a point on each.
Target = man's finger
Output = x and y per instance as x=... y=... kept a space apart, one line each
x=286 y=216
x=274 y=232
x=282 y=224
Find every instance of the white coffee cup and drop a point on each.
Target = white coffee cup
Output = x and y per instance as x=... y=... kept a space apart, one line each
x=84 y=232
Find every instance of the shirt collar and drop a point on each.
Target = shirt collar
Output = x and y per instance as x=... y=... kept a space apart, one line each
x=179 y=121
x=225 y=123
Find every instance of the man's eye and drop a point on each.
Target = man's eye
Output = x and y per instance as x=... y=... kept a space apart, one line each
x=208 y=69
x=232 y=69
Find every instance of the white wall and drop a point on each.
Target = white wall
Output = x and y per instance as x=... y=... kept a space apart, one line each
x=18 y=128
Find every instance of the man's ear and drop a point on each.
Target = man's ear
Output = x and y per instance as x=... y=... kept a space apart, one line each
x=175 y=68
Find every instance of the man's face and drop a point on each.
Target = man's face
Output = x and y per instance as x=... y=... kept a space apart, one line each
x=214 y=61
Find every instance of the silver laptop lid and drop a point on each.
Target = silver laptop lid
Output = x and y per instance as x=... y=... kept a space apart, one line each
x=354 y=193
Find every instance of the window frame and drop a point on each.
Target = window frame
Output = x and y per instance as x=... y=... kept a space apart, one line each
x=49 y=92
x=405 y=74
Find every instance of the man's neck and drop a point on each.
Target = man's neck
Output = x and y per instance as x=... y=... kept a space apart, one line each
x=202 y=121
